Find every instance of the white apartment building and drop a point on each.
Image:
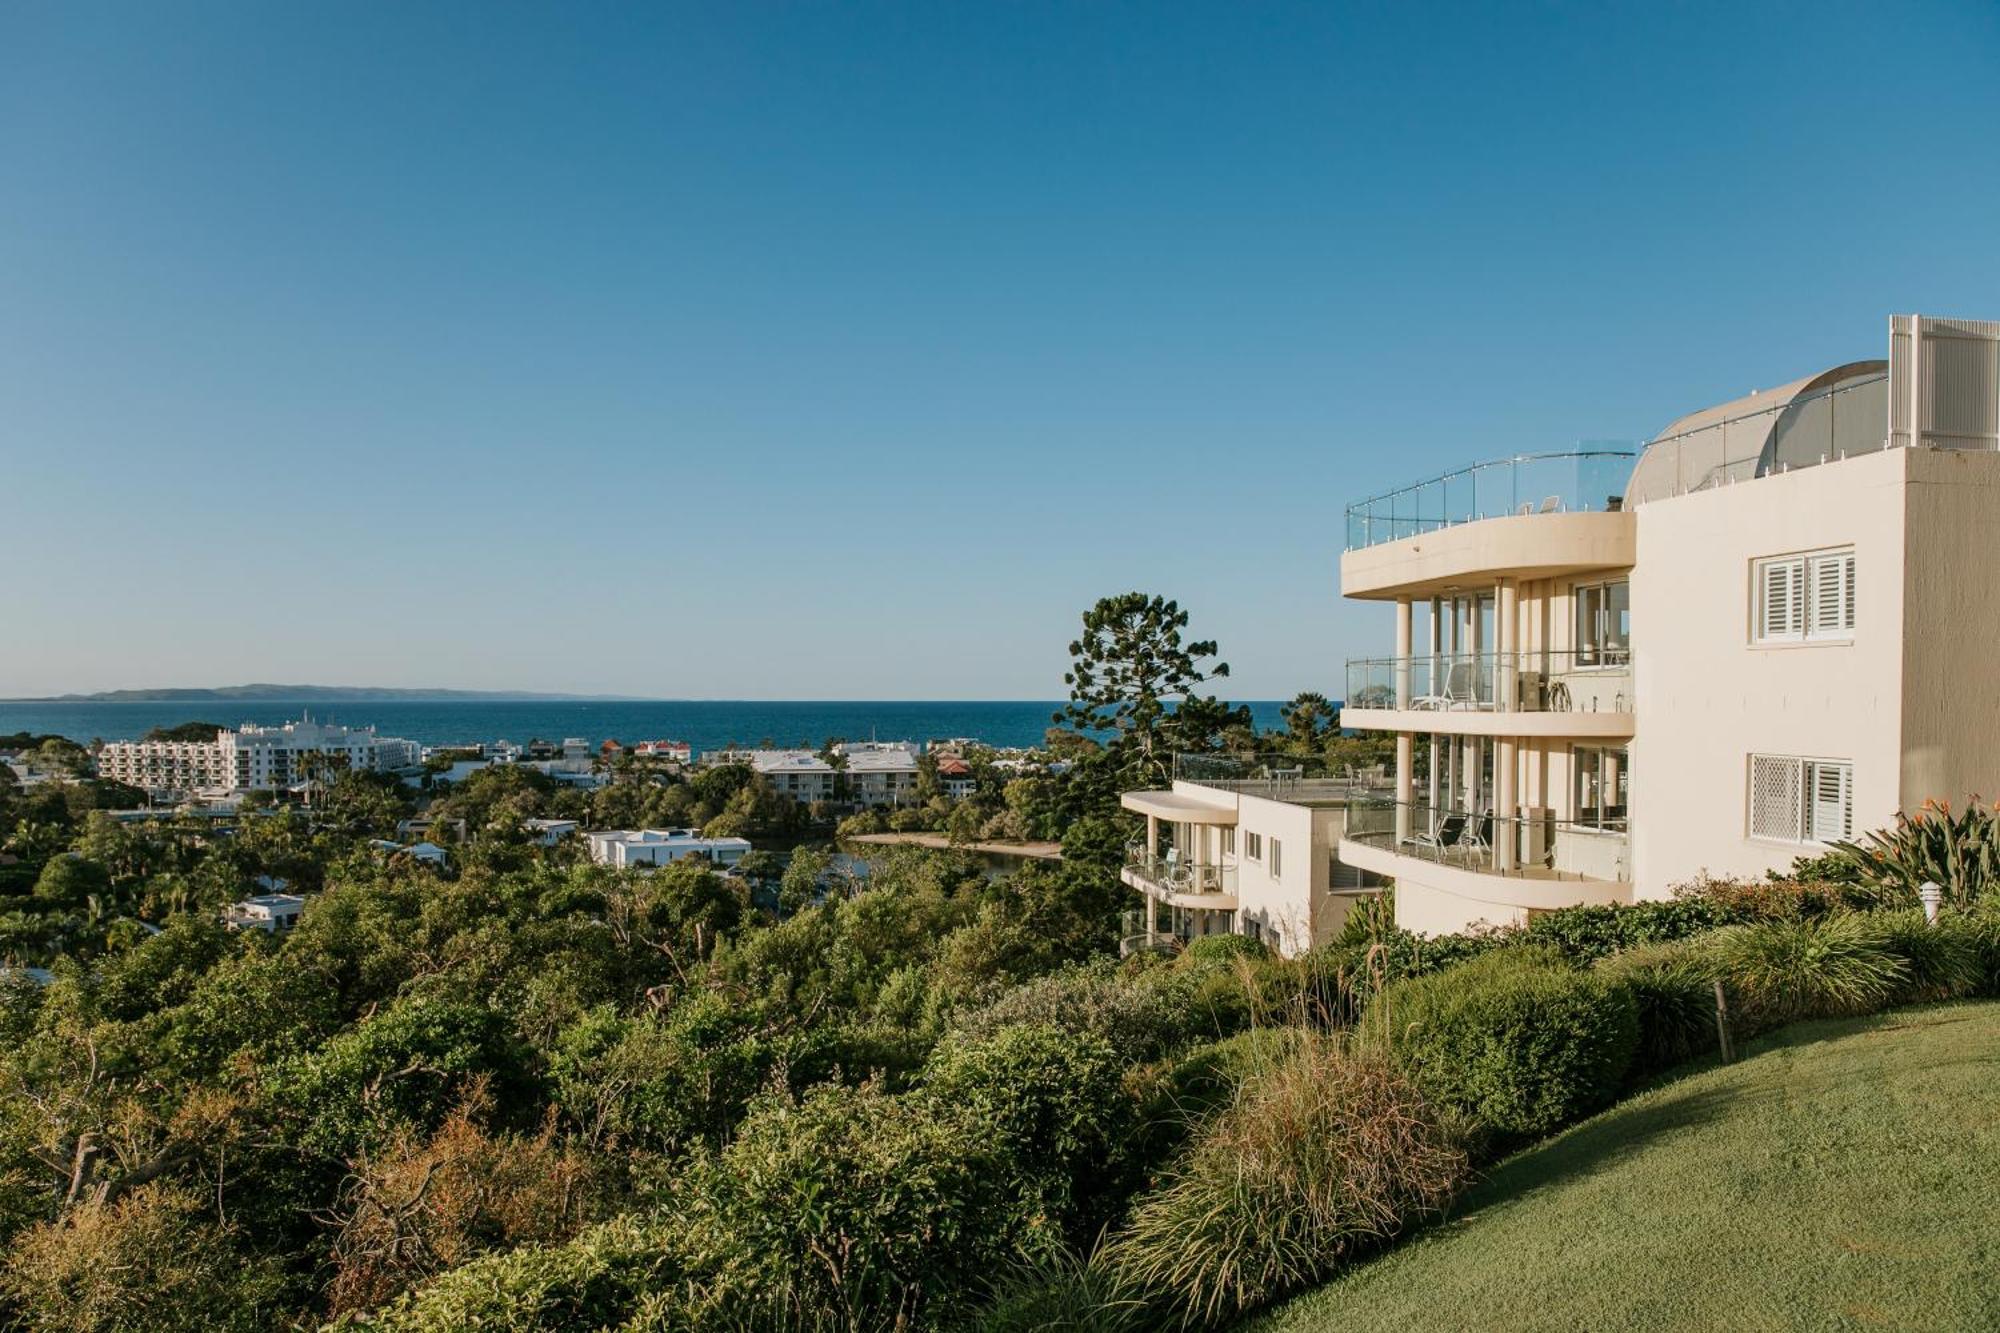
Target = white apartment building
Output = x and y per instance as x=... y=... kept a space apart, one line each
x=1773 y=627
x=1616 y=670
x=872 y=773
x=251 y=757
x=627 y=848
x=1246 y=846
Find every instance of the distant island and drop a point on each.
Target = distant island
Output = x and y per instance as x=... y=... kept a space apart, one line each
x=321 y=694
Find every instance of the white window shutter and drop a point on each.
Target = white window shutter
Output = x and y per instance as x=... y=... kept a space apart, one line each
x=1829 y=594
x=1832 y=801
x=1783 y=614
x=1847 y=582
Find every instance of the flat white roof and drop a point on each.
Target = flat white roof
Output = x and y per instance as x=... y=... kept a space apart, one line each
x=1173 y=806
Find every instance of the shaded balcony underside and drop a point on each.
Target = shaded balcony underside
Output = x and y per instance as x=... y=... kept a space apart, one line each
x=1609 y=726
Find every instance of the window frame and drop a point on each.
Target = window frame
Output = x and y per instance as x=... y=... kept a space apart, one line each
x=1805 y=599
x=1277 y=859
x=1594 y=646
x=1253 y=845
x=1808 y=771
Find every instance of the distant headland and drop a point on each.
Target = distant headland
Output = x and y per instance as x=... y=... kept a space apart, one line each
x=265 y=693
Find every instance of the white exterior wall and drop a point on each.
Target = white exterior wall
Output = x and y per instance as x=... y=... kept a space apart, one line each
x=1709 y=697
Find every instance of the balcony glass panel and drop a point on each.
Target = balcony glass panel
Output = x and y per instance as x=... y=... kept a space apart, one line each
x=1589 y=479
x=1527 y=846
x=1596 y=681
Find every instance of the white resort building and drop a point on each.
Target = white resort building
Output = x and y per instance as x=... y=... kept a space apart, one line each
x=870 y=773
x=657 y=847
x=1616 y=670
x=251 y=758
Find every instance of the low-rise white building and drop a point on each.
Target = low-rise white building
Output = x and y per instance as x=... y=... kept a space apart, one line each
x=549 y=832
x=627 y=848
x=272 y=913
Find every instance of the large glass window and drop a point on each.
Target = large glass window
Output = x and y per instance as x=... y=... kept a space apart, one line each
x=1604 y=624
x=1602 y=785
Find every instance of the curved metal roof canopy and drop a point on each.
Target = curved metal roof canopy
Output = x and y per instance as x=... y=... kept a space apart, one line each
x=1833 y=414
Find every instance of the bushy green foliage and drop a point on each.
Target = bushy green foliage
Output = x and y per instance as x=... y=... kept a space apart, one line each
x=1054 y=1103
x=1672 y=986
x=860 y=1204
x=1782 y=971
x=1318 y=1159
x=1060 y=1293
x=402 y=1069
x=153 y=1261
x=1518 y=1039
x=588 y=1284
x=1960 y=852
x=1940 y=962
x=1585 y=934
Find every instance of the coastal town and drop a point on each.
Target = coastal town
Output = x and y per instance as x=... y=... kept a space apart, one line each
x=884 y=668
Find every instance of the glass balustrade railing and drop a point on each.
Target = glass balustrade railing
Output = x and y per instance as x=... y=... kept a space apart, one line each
x=1174 y=874
x=1597 y=680
x=1590 y=478
x=1534 y=845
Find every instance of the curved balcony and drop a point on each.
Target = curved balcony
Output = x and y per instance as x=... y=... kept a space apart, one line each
x=1180 y=883
x=1587 y=479
x=1537 y=516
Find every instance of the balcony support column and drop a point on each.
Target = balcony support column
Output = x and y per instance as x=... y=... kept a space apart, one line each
x=1506 y=632
x=1405 y=784
x=1506 y=835
x=1152 y=920
x=1404 y=641
x=1152 y=836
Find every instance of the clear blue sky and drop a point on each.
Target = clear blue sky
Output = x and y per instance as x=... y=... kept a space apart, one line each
x=850 y=350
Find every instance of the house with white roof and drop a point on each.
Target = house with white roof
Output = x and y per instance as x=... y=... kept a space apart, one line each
x=630 y=848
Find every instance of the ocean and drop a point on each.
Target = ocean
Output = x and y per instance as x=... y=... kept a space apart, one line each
x=704 y=724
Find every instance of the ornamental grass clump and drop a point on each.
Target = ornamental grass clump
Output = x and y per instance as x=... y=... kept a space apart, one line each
x=1518 y=1040
x=1673 y=989
x=1779 y=972
x=1941 y=961
x=1319 y=1159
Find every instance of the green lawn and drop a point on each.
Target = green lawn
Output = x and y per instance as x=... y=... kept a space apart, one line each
x=1841 y=1175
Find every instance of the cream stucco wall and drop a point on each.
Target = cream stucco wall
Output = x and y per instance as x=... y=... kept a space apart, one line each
x=1708 y=698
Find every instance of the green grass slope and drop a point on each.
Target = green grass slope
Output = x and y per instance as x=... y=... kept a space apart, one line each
x=1843 y=1175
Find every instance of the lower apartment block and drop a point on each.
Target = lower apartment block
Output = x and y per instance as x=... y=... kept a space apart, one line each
x=1245 y=847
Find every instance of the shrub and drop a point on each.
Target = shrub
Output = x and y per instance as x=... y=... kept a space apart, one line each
x=1141 y=1016
x=591 y=1283
x=406 y=1067
x=1586 y=934
x=1942 y=961
x=1053 y=1103
x=1061 y=1293
x=859 y=1205
x=1674 y=991
x=1517 y=1039
x=1176 y=1096
x=1782 y=971
x=1959 y=852
x=1314 y=1162
x=1982 y=929
x=152 y=1260
x=1223 y=949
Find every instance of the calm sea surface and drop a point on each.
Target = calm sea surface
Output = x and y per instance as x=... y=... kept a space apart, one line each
x=707 y=725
